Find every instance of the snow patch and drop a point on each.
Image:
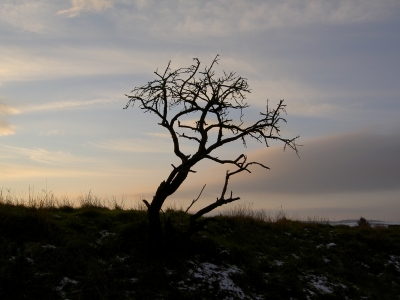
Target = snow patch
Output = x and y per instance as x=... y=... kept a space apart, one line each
x=104 y=234
x=29 y=260
x=395 y=260
x=210 y=275
x=320 y=283
x=119 y=258
x=278 y=263
x=65 y=281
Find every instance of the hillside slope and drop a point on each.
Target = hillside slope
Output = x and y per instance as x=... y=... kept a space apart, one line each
x=98 y=253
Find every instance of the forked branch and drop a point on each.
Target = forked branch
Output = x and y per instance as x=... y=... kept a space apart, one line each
x=242 y=165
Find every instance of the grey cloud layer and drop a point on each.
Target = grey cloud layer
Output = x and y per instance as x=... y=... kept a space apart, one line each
x=357 y=162
x=78 y=6
x=348 y=163
x=200 y=17
x=220 y=18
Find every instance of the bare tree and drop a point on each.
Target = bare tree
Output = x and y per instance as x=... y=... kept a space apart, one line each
x=177 y=94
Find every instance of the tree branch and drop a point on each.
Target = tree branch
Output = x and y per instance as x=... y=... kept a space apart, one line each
x=242 y=165
x=179 y=94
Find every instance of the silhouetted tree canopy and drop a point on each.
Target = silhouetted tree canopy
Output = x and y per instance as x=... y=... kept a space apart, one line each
x=212 y=101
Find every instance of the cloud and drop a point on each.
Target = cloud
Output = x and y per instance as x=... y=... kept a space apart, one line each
x=349 y=163
x=53 y=132
x=66 y=104
x=198 y=18
x=27 y=15
x=159 y=135
x=48 y=157
x=5 y=127
x=135 y=145
x=7 y=110
x=219 y=18
x=23 y=162
x=302 y=100
x=15 y=172
x=356 y=162
x=50 y=63
x=85 y=5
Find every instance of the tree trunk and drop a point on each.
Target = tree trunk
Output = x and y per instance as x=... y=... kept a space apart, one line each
x=153 y=213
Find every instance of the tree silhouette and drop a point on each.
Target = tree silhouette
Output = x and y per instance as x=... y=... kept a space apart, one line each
x=177 y=94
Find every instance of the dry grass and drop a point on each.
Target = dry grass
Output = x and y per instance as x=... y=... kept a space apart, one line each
x=47 y=200
x=245 y=210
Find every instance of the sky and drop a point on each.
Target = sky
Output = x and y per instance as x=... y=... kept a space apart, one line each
x=65 y=67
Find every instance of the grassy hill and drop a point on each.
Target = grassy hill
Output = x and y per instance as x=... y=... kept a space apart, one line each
x=92 y=252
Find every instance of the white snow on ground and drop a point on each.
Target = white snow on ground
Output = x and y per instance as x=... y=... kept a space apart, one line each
x=366 y=266
x=63 y=283
x=330 y=245
x=395 y=260
x=104 y=234
x=278 y=263
x=120 y=258
x=209 y=273
x=320 y=283
x=29 y=260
